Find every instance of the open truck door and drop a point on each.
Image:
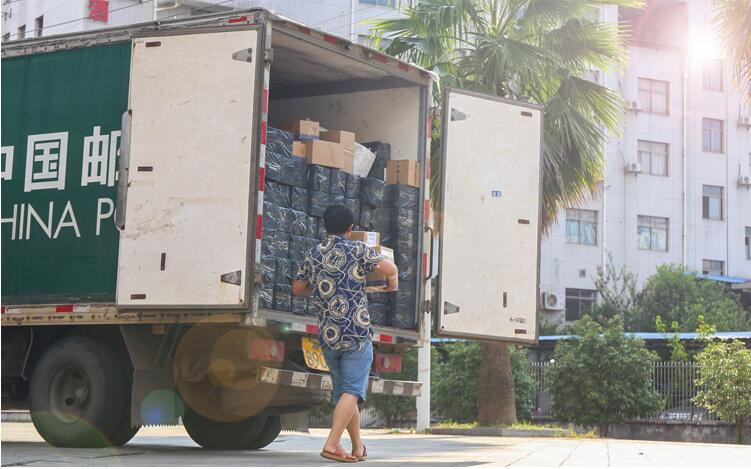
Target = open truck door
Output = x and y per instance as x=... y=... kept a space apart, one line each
x=186 y=194
x=489 y=247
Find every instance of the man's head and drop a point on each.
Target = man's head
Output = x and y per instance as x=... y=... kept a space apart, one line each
x=338 y=220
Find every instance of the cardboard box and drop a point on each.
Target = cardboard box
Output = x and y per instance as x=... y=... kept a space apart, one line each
x=304 y=129
x=347 y=139
x=370 y=238
x=328 y=154
x=299 y=149
x=405 y=172
x=376 y=281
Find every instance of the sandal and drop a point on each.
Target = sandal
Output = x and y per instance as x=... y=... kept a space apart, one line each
x=339 y=456
x=364 y=454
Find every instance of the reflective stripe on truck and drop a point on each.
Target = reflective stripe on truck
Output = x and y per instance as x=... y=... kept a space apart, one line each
x=301 y=379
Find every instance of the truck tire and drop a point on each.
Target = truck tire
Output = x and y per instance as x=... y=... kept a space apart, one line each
x=77 y=393
x=213 y=434
x=124 y=431
x=271 y=430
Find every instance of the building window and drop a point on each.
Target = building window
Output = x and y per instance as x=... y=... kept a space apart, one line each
x=710 y=267
x=38 y=26
x=21 y=34
x=6 y=37
x=712 y=75
x=711 y=135
x=712 y=203
x=581 y=226
x=579 y=302
x=653 y=157
x=653 y=96
x=748 y=242
x=652 y=233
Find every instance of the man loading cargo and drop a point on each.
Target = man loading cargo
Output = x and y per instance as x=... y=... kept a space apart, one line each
x=334 y=273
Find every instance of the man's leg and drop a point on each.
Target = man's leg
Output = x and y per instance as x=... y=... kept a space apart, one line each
x=354 y=433
x=343 y=412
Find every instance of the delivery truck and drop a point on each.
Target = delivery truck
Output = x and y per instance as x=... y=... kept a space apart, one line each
x=136 y=267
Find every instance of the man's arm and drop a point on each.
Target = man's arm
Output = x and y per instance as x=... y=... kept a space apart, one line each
x=390 y=271
x=301 y=288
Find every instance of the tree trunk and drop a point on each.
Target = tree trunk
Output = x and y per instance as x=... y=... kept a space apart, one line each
x=739 y=431
x=496 y=388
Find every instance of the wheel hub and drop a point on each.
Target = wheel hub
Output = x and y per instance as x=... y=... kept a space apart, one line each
x=69 y=393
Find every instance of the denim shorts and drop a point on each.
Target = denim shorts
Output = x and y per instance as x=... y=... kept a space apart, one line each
x=350 y=368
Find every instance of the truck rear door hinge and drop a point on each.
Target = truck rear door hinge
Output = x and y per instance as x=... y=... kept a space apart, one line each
x=268 y=55
x=426 y=307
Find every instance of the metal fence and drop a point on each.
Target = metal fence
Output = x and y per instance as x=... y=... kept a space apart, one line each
x=674 y=381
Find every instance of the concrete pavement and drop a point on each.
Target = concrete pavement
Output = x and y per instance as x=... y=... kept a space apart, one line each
x=170 y=446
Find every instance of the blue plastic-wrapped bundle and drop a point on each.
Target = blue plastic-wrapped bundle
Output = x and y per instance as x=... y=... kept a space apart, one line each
x=338 y=181
x=407 y=264
x=276 y=193
x=405 y=219
x=270 y=245
x=402 y=307
x=336 y=199
x=282 y=167
x=274 y=135
x=299 y=247
x=375 y=218
x=298 y=223
x=382 y=156
x=299 y=305
x=285 y=220
x=319 y=178
x=313 y=307
x=354 y=206
x=283 y=271
x=282 y=297
x=321 y=230
x=298 y=199
x=374 y=192
x=282 y=242
x=405 y=241
x=378 y=313
x=378 y=297
x=312 y=227
x=268 y=269
x=352 y=189
x=271 y=217
x=266 y=296
x=402 y=196
x=295 y=267
x=319 y=202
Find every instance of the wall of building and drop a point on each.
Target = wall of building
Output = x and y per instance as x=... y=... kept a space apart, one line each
x=624 y=196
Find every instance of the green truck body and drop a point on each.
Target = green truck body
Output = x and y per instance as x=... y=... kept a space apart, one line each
x=61 y=114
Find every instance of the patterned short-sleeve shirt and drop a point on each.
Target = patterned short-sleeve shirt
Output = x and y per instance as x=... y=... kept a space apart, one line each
x=336 y=271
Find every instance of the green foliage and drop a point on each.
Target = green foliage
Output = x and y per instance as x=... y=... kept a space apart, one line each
x=455 y=376
x=732 y=22
x=391 y=409
x=676 y=295
x=617 y=293
x=725 y=382
x=526 y=49
x=601 y=376
x=552 y=328
x=678 y=352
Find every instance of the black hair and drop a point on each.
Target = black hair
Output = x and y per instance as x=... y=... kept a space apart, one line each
x=337 y=219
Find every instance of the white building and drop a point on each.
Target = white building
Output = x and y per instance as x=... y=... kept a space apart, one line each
x=30 y=18
x=676 y=187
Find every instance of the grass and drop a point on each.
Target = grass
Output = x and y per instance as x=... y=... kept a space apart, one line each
x=516 y=426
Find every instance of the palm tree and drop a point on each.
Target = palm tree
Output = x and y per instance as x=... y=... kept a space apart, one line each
x=732 y=20
x=536 y=50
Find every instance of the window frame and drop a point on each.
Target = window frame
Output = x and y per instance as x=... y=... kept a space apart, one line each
x=38 y=25
x=649 y=105
x=710 y=271
x=650 y=225
x=579 y=295
x=707 y=146
x=579 y=212
x=651 y=152
x=706 y=200
x=747 y=241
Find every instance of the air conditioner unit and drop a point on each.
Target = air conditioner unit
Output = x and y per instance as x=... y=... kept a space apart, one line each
x=744 y=181
x=744 y=121
x=552 y=301
x=633 y=106
x=633 y=168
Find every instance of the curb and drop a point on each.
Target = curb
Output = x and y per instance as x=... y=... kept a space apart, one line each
x=15 y=416
x=507 y=432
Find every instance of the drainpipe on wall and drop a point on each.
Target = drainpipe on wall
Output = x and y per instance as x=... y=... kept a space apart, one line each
x=684 y=198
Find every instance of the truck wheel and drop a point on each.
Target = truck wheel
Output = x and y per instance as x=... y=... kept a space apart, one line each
x=124 y=431
x=213 y=434
x=270 y=431
x=77 y=394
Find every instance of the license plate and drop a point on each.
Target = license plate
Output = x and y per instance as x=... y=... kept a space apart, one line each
x=313 y=354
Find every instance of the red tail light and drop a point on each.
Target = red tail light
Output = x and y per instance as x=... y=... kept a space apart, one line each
x=267 y=350
x=388 y=363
